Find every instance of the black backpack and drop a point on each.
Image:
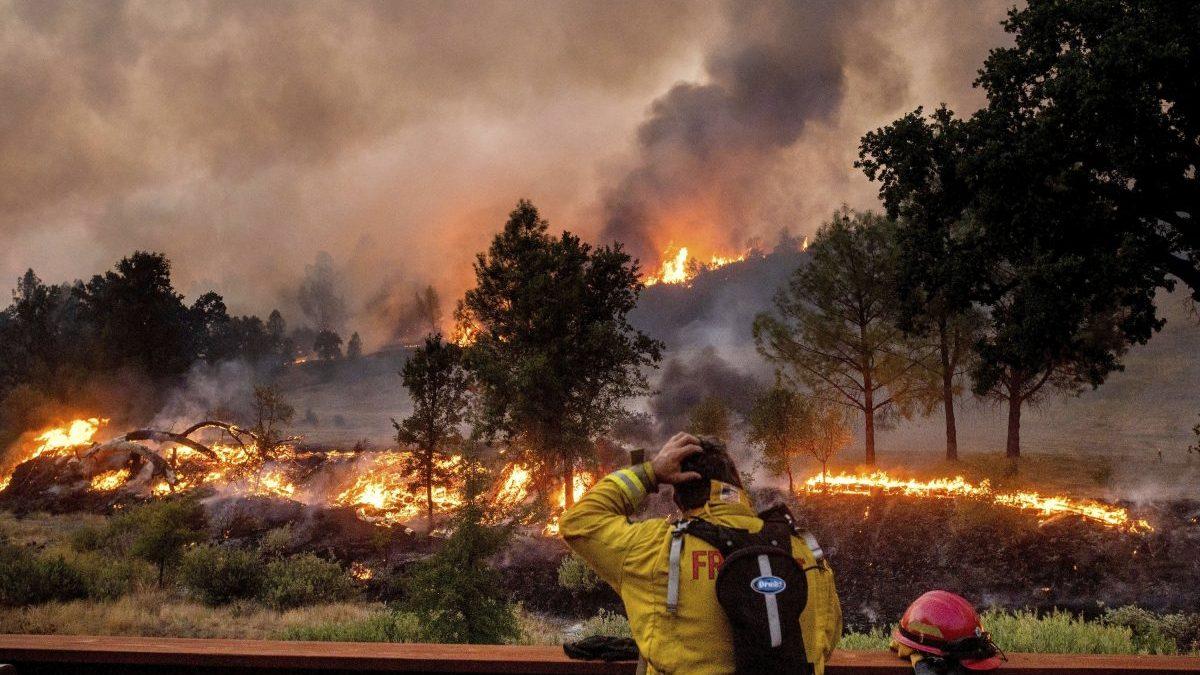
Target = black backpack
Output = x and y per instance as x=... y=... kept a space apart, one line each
x=761 y=588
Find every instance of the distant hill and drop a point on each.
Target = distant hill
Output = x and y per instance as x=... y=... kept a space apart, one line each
x=1151 y=406
x=706 y=326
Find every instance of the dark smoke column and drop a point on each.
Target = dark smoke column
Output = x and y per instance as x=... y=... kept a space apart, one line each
x=705 y=148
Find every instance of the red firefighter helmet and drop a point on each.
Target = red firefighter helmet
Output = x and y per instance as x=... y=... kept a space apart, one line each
x=941 y=623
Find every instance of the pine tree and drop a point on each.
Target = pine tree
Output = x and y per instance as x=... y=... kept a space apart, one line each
x=554 y=355
x=437 y=385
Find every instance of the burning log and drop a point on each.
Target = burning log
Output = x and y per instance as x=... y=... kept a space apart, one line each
x=238 y=434
x=122 y=451
x=169 y=437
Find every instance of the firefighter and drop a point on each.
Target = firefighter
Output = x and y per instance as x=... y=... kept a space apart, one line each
x=940 y=633
x=673 y=609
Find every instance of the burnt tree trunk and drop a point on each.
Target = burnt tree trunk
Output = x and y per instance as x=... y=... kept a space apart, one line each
x=429 y=505
x=1012 y=448
x=869 y=418
x=568 y=485
x=791 y=480
x=948 y=394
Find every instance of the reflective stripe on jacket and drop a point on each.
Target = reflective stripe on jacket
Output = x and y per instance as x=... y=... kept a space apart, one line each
x=632 y=557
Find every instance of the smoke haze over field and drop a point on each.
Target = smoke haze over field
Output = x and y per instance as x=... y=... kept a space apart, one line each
x=242 y=138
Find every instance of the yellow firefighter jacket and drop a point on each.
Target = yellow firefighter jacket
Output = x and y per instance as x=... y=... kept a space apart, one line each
x=632 y=557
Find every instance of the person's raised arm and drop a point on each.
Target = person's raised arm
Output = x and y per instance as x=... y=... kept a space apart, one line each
x=597 y=527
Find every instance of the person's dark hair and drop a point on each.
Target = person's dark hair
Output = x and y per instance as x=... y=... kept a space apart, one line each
x=712 y=464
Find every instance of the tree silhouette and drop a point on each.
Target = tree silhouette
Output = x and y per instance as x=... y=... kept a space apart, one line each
x=437 y=385
x=918 y=163
x=319 y=296
x=835 y=330
x=328 y=345
x=554 y=355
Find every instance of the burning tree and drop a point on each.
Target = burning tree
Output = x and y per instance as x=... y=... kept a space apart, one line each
x=271 y=414
x=437 y=384
x=836 y=332
x=554 y=354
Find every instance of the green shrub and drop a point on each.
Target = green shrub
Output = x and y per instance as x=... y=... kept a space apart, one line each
x=276 y=542
x=160 y=531
x=29 y=579
x=108 y=578
x=457 y=594
x=1065 y=633
x=90 y=538
x=305 y=579
x=575 y=575
x=1151 y=630
x=1053 y=633
x=384 y=627
x=221 y=574
x=607 y=623
x=875 y=640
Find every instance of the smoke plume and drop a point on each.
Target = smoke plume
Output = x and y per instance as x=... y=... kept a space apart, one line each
x=705 y=148
x=241 y=138
x=685 y=382
x=741 y=154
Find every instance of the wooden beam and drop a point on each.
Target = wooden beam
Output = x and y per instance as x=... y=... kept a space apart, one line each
x=87 y=654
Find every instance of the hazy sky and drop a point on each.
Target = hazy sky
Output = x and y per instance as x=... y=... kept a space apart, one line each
x=241 y=138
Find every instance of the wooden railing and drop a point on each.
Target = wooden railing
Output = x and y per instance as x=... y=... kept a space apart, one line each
x=37 y=654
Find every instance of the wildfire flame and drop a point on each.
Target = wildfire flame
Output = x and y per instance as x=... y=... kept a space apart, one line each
x=580 y=483
x=237 y=466
x=58 y=440
x=383 y=492
x=110 y=480
x=360 y=571
x=464 y=336
x=274 y=483
x=1045 y=507
x=679 y=268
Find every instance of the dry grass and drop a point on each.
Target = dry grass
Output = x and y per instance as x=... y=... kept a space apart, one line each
x=45 y=530
x=160 y=614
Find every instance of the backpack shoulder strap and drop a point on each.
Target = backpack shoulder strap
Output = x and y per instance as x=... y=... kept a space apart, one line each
x=724 y=539
x=779 y=518
x=673 y=560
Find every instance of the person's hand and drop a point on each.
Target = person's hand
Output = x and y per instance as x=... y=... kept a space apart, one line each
x=666 y=463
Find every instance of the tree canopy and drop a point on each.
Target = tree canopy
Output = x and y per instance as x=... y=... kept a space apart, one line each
x=918 y=164
x=1094 y=114
x=554 y=355
x=834 y=330
x=437 y=385
x=710 y=417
